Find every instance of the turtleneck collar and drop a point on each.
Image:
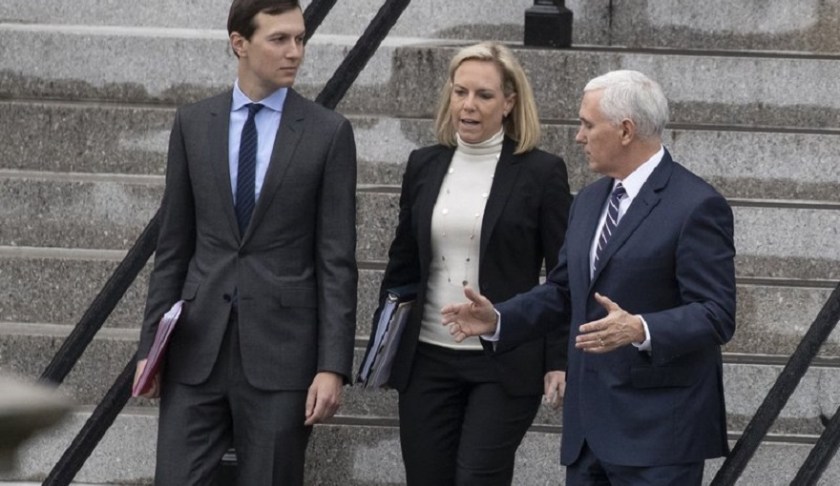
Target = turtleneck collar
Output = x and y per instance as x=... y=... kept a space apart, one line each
x=492 y=145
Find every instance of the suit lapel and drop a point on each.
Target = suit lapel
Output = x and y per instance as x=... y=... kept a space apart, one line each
x=641 y=207
x=218 y=153
x=426 y=200
x=504 y=180
x=288 y=136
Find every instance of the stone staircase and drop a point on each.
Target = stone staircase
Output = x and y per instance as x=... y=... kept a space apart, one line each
x=87 y=94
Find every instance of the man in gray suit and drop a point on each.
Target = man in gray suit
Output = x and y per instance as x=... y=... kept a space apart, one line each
x=257 y=235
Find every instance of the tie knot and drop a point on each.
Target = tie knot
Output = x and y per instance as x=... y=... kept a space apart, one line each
x=253 y=108
x=619 y=191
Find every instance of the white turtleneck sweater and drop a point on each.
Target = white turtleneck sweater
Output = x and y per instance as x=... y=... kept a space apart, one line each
x=456 y=234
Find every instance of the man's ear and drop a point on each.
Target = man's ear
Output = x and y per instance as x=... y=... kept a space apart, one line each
x=628 y=131
x=239 y=44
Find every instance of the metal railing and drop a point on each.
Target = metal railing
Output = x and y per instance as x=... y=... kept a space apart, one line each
x=776 y=399
x=106 y=300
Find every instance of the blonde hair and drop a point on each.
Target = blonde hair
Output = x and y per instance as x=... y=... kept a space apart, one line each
x=522 y=124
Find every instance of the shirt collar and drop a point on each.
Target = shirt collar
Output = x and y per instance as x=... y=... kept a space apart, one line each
x=633 y=183
x=274 y=101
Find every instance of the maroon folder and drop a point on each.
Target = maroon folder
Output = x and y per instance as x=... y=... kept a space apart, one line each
x=158 y=351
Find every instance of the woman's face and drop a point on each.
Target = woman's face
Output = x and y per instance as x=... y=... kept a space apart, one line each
x=477 y=104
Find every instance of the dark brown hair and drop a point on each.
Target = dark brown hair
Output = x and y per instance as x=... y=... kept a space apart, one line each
x=242 y=13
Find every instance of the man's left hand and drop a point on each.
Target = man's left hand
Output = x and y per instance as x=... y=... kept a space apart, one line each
x=619 y=328
x=324 y=397
x=554 y=388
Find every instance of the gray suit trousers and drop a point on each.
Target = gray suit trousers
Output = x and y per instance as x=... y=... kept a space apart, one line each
x=197 y=423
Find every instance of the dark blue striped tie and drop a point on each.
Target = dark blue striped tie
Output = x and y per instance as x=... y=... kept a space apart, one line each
x=611 y=222
x=247 y=170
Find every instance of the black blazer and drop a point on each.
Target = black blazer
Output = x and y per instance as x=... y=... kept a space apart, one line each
x=524 y=223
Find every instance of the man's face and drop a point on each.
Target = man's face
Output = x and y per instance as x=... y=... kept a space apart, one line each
x=601 y=139
x=271 y=58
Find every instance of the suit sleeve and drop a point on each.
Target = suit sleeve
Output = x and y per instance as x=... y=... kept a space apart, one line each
x=336 y=268
x=537 y=312
x=403 y=266
x=540 y=310
x=705 y=276
x=403 y=255
x=176 y=239
x=554 y=218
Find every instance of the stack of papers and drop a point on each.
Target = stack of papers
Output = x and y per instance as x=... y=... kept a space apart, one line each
x=376 y=368
x=158 y=351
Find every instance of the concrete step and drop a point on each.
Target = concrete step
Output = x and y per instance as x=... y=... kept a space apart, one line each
x=49 y=209
x=743 y=89
x=56 y=286
x=358 y=454
x=773 y=238
x=774 y=90
x=85 y=137
x=191 y=64
x=788 y=25
x=740 y=163
x=119 y=139
x=423 y=18
x=26 y=349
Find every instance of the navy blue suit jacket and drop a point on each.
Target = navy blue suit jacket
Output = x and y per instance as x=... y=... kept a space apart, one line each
x=671 y=260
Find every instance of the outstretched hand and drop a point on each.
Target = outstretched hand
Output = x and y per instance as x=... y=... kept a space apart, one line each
x=474 y=318
x=619 y=328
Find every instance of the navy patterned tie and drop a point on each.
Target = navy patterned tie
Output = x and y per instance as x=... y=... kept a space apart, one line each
x=611 y=222
x=247 y=170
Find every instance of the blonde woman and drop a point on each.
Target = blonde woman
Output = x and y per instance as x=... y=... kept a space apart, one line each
x=483 y=206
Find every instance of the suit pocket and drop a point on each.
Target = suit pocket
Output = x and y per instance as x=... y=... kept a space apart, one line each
x=189 y=291
x=662 y=376
x=299 y=297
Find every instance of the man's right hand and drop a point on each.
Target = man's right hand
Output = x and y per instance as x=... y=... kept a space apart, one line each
x=154 y=391
x=474 y=318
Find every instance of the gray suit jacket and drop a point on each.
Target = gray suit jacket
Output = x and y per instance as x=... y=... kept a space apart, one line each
x=294 y=269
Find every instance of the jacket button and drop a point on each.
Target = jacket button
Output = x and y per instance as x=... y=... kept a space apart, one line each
x=226 y=297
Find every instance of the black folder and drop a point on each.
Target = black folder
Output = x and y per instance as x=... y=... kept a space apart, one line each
x=376 y=367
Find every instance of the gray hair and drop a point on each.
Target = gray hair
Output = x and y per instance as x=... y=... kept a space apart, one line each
x=632 y=95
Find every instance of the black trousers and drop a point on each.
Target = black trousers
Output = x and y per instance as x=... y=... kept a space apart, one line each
x=588 y=470
x=199 y=423
x=457 y=425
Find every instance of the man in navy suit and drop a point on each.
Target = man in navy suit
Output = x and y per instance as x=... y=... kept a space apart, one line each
x=645 y=287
